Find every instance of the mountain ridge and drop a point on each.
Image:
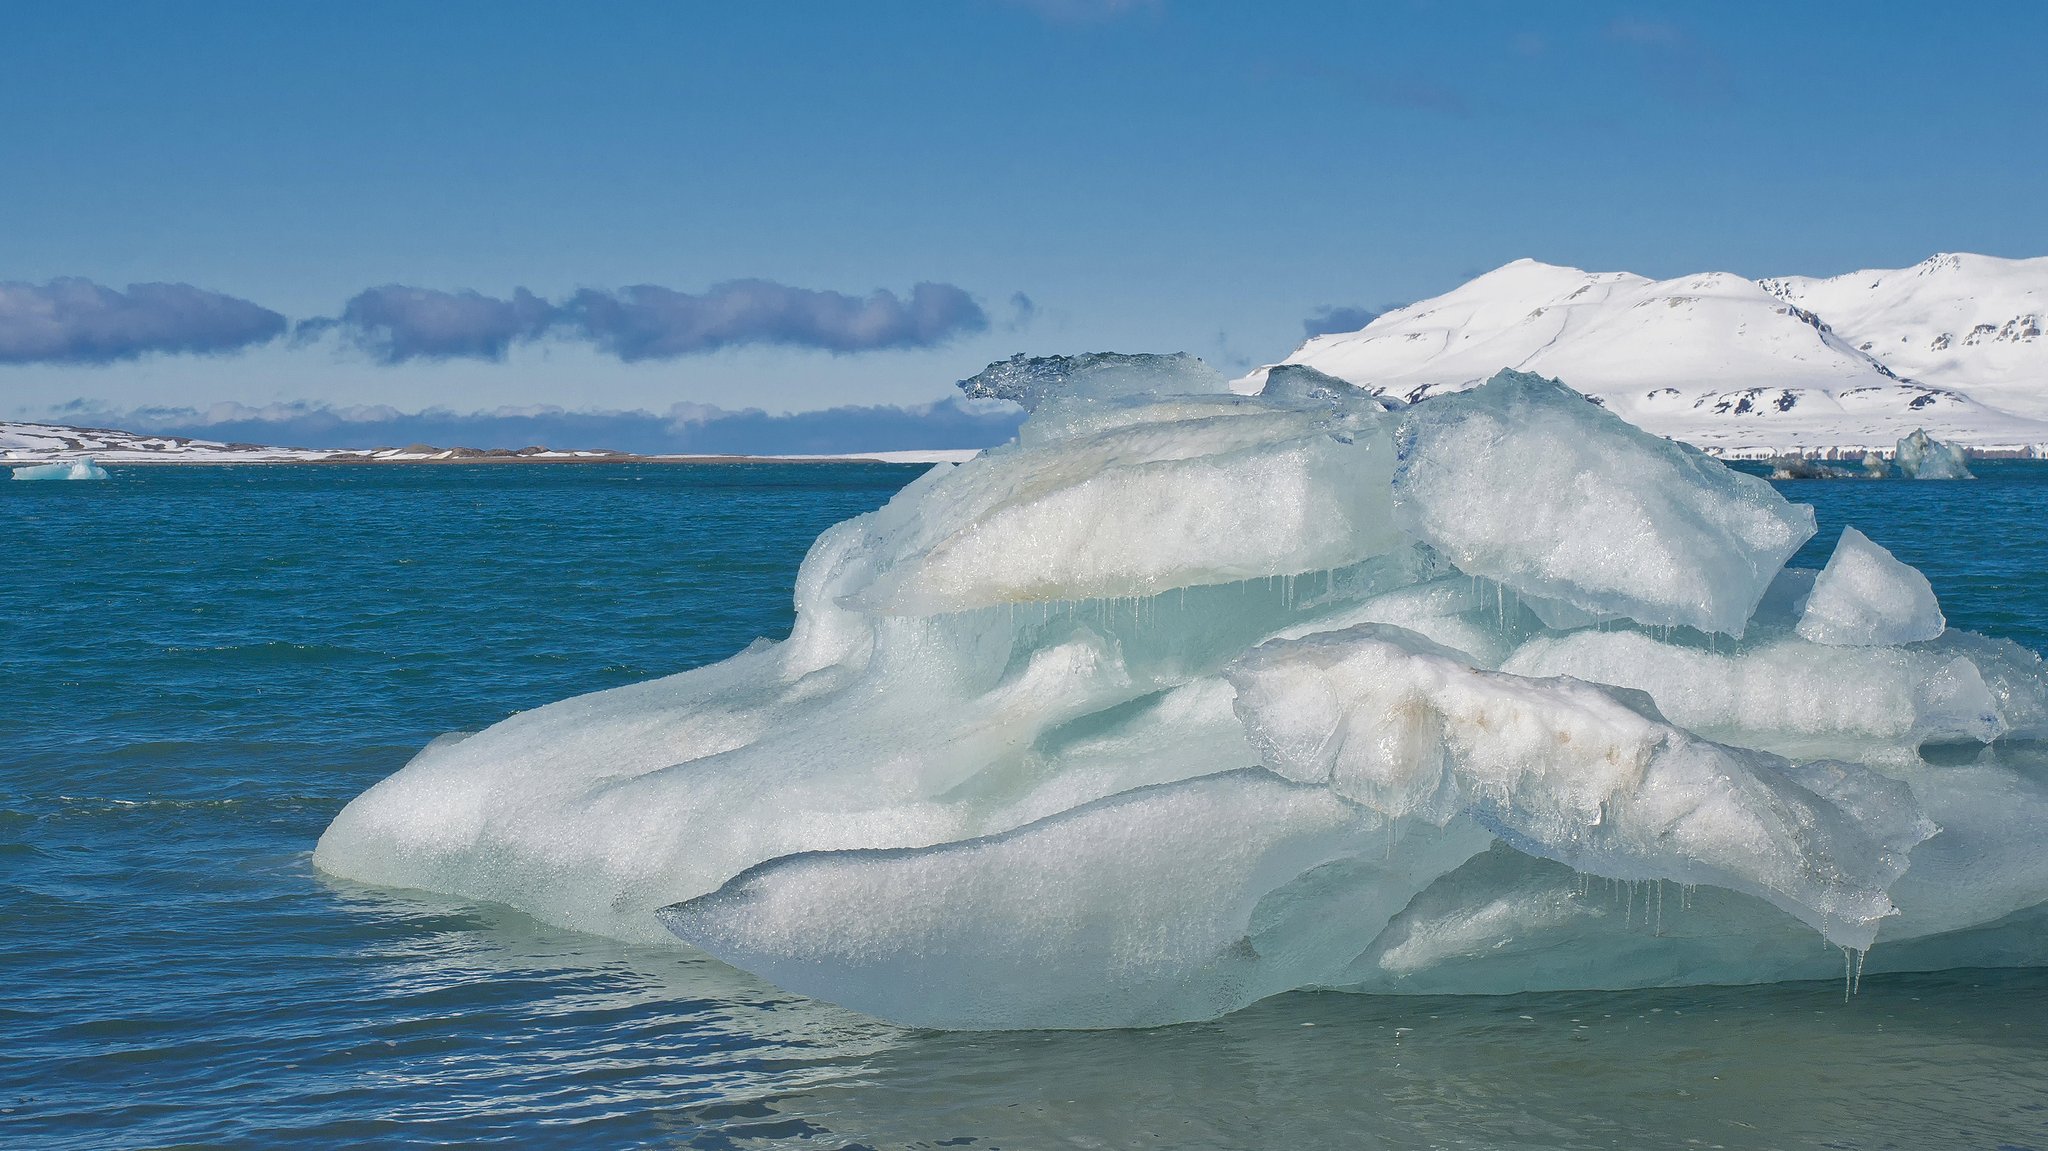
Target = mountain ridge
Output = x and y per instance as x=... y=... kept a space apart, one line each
x=1785 y=364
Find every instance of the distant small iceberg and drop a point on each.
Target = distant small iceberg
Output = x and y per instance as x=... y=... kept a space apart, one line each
x=1917 y=457
x=1807 y=468
x=1922 y=457
x=72 y=470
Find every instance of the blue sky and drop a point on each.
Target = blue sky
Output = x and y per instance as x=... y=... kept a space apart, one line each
x=701 y=202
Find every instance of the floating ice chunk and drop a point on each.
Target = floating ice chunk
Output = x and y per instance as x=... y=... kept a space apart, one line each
x=1922 y=457
x=73 y=470
x=1807 y=468
x=1866 y=596
x=1525 y=482
x=1005 y=769
x=1793 y=697
x=1161 y=905
x=1571 y=771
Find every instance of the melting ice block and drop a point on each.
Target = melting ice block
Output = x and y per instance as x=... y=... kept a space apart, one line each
x=1866 y=597
x=1133 y=721
x=1528 y=483
x=73 y=470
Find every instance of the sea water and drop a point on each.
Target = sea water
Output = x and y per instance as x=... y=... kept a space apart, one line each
x=201 y=665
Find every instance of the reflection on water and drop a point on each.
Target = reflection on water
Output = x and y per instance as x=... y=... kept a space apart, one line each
x=1912 y=1062
x=472 y=1024
x=486 y=1022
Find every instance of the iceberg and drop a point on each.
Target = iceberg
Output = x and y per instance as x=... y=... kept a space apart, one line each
x=72 y=470
x=1922 y=457
x=1185 y=698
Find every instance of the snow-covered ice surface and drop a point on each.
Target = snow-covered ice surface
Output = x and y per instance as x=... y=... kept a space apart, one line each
x=1187 y=698
x=74 y=470
x=1954 y=345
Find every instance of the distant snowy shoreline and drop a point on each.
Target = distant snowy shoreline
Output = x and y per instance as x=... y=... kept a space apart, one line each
x=24 y=444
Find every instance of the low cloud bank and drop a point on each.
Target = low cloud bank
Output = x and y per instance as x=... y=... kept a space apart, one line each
x=647 y=322
x=396 y=323
x=76 y=321
x=682 y=429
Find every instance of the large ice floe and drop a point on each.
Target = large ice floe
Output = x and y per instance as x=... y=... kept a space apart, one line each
x=1187 y=698
x=69 y=470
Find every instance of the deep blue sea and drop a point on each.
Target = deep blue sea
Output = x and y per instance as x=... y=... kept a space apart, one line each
x=200 y=665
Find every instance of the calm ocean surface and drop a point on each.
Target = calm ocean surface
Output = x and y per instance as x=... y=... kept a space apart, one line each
x=200 y=665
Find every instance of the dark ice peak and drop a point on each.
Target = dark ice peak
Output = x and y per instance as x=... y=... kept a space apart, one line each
x=1092 y=375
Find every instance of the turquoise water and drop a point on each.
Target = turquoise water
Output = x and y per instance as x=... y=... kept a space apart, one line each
x=201 y=665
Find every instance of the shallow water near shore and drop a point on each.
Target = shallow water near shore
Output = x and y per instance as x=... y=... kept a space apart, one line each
x=203 y=664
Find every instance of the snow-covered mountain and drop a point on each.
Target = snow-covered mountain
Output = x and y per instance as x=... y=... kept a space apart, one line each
x=1953 y=345
x=1956 y=320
